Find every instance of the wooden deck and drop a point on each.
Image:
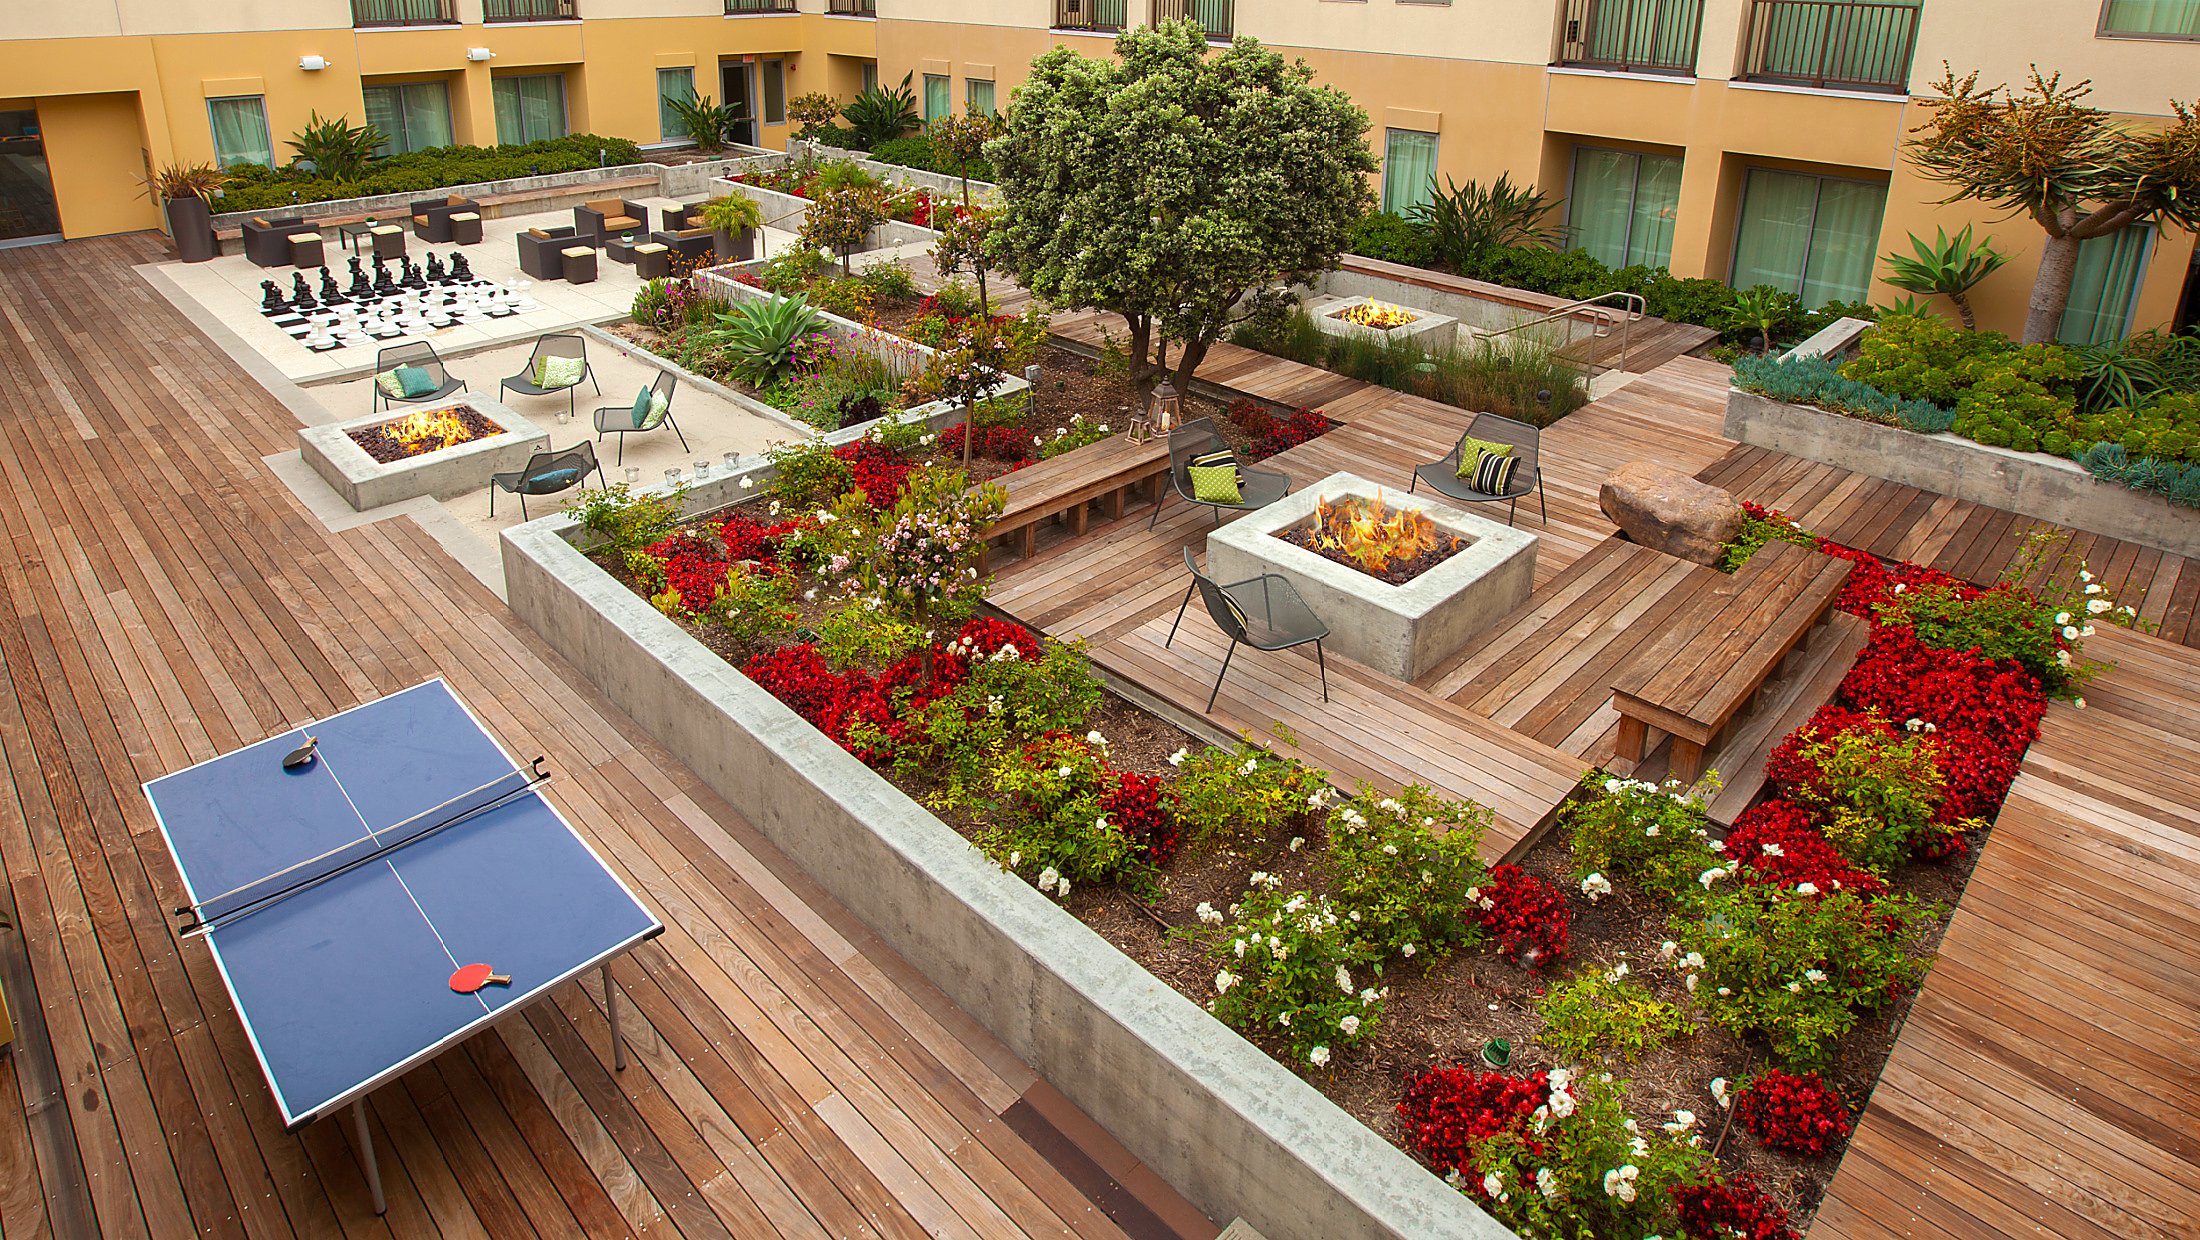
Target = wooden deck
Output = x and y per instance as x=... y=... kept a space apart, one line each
x=166 y=600
x=2045 y=1082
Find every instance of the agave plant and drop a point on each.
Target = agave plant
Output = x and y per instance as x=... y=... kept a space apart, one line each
x=1464 y=220
x=338 y=149
x=1949 y=266
x=1761 y=311
x=882 y=113
x=708 y=125
x=1906 y=308
x=758 y=338
x=184 y=181
x=2115 y=376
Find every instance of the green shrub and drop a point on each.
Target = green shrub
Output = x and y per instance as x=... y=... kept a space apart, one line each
x=2167 y=428
x=1244 y=794
x=251 y=188
x=1798 y=970
x=1049 y=822
x=2006 y=409
x=1652 y=835
x=808 y=474
x=954 y=741
x=1875 y=797
x=1756 y=532
x=1401 y=867
x=1598 y=1010
x=1921 y=358
x=1291 y=968
x=1584 y=1169
x=1391 y=237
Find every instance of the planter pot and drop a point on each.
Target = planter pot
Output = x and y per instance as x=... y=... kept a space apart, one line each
x=735 y=247
x=191 y=227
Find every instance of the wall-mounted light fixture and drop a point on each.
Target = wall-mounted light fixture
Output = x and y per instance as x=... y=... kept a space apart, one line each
x=479 y=54
x=313 y=64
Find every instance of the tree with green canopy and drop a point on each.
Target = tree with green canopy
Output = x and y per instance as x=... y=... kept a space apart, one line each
x=1167 y=182
x=2078 y=171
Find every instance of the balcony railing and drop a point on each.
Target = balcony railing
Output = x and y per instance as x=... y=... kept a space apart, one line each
x=734 y=7
x=402 y=13
x=852 y=8
x=529 y=10
x=1101 y=15
x=1831 y=44
x=1632 y=36
x=1217 y=17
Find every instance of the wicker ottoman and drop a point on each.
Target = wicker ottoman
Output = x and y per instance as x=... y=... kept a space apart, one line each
x=465 y=227
x=305 y=250
x=653 y=261
x=389 y=241
x=580 y=263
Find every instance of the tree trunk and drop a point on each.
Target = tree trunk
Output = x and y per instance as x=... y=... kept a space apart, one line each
x=1141 y=339
x=1195 y=352
x=1963 y=310
x=970 y=432
x=2051 y=289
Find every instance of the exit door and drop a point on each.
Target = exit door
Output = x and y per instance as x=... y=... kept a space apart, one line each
x=738 y=80
x=27 y=212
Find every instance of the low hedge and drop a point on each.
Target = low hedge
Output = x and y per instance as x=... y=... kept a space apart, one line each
x=917 y=151
x=251 y=187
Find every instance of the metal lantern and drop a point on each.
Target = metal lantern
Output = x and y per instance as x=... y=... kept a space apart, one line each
x=1167 y=408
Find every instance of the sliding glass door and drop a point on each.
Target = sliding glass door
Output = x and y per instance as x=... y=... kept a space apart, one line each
x=2110 y=270
x=529 y=109
x=413 y=116
x=1816 y=237
x=1623 y=205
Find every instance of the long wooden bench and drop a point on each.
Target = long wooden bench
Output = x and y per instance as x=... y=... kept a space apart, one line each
x=522 y=202
x=1106 y=473
x=1718 y=651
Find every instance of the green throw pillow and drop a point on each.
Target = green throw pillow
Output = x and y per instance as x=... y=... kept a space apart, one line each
x=391 y=388
x=1471 y=452
x=415 y=381
x=641 y=408
x=659 y=406
x=1215 y=484
x=558 y=372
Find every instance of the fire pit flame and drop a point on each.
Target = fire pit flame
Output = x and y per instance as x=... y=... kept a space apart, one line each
x=1373 y=537
x=426 y=430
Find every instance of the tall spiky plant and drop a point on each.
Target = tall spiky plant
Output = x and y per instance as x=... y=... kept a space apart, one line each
x=1949 y=266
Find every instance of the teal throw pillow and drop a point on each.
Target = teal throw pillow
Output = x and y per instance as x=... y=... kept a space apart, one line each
x=641 y=408
x=415 y=381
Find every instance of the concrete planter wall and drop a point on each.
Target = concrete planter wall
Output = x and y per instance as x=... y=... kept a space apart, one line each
x=444 y=474
x=1210 y=1113
x=915 y=178
x=1459 y=300
x=2031 y=484
x=787 y=212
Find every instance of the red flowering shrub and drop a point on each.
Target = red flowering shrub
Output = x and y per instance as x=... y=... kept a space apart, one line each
x=1798 y=1114
x=878 y=472
x=1979 y=768
x=830 y=701
x=1007 y=443
x=983 y=637
x=1737 y=1208
x=1873 y=579
x=1134 y=808
x=747 y=537
x=1449 y=1111
x=1799 y=853
x=1272 y=434
x=1528 y=915
x=1903 y=679
x=1789 y=766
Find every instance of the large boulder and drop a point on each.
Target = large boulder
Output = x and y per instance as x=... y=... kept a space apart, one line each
x=1666 y=509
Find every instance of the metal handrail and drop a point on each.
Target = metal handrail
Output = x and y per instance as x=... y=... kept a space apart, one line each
x=1632 y=36
x=1635 y=306
x=1831 y=44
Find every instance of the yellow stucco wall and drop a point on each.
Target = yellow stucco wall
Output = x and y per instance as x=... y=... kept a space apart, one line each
x=94 y=149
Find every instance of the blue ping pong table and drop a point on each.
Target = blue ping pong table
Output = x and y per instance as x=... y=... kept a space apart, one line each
x=340 y=897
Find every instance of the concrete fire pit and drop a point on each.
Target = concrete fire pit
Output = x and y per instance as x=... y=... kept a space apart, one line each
x=446 y=472
x=1401 y=631
x=1433 y=332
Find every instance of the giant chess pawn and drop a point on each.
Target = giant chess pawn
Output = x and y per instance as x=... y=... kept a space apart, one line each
x=301 y=297
x=383 y=285
x=330 y=294
x=413 y=279
x=271 y=299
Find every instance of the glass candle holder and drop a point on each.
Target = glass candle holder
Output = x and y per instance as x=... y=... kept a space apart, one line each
x=733 y=461
x=702 y=469
x=672 y=476
x=634 y=475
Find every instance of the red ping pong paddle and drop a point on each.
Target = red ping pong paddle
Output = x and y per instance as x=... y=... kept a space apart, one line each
x=475 y=976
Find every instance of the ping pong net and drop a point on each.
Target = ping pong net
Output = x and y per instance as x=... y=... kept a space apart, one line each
x=242 y=901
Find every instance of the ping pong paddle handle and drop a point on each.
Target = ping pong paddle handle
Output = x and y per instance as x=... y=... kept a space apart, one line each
x=497 y=979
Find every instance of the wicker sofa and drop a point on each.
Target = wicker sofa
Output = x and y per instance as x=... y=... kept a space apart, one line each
x=267 y=242
x=542 y=251
x=605 y=218
x=431 y=217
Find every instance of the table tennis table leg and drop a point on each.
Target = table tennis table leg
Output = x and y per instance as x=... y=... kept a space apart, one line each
x=366 y=1153
x=611 y=1014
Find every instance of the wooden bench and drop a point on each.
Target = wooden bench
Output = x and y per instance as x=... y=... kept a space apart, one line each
x=1718 y=650
x=1106 y=472
x=491 y=206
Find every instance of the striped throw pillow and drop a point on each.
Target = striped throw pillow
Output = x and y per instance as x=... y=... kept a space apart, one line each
x=1493 y=474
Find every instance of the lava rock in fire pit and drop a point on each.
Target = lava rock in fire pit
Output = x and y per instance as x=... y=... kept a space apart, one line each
x=1669 y=511
x=423 y=431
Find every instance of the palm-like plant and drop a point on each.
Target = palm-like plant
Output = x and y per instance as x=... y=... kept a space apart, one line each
x=1949 y=266
x=1761 y=311
x=883 y=113
x=1464 y=220
x=759 y=337
x=734 y=213
x=708 y=125
x=184 y=181
x=338 y=149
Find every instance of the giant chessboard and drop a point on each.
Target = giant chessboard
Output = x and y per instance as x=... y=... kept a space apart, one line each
x=361 y=314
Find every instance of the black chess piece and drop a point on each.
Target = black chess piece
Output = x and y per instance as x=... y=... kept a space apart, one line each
x=383 y=285
x=460 y=268
x=330 y=294
x=413 y=277
x=435 y=268
x=361 y=288
x=271 y=301
x=301 y=297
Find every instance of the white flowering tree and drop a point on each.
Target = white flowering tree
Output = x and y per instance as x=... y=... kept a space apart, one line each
x=1165 y=183
x=924 y=557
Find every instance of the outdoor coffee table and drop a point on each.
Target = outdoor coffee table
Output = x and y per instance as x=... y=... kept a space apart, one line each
x=620 y=249
x=351 y=236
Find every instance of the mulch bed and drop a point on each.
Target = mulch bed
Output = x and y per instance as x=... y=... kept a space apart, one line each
x=381 y=442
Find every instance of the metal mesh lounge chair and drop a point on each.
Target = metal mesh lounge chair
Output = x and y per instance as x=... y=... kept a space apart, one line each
x=1257 y=488
x=546 y=473
x=415 y=353
x=1443 y=476
x=560 y=344
x=1263 y=612
x=619 y=419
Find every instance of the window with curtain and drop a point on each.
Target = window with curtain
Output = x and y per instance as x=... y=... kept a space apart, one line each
x=2166 y=18
x=775 y=92
x=529 y=109
x=1409 y=169
x=978 y=97
x=1622 y=206
x=673 y=84
x=240 y=130
x=870 y=75
x=414 y=115
x=1816 y=237
x=936 y=103
x=2110 y=270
